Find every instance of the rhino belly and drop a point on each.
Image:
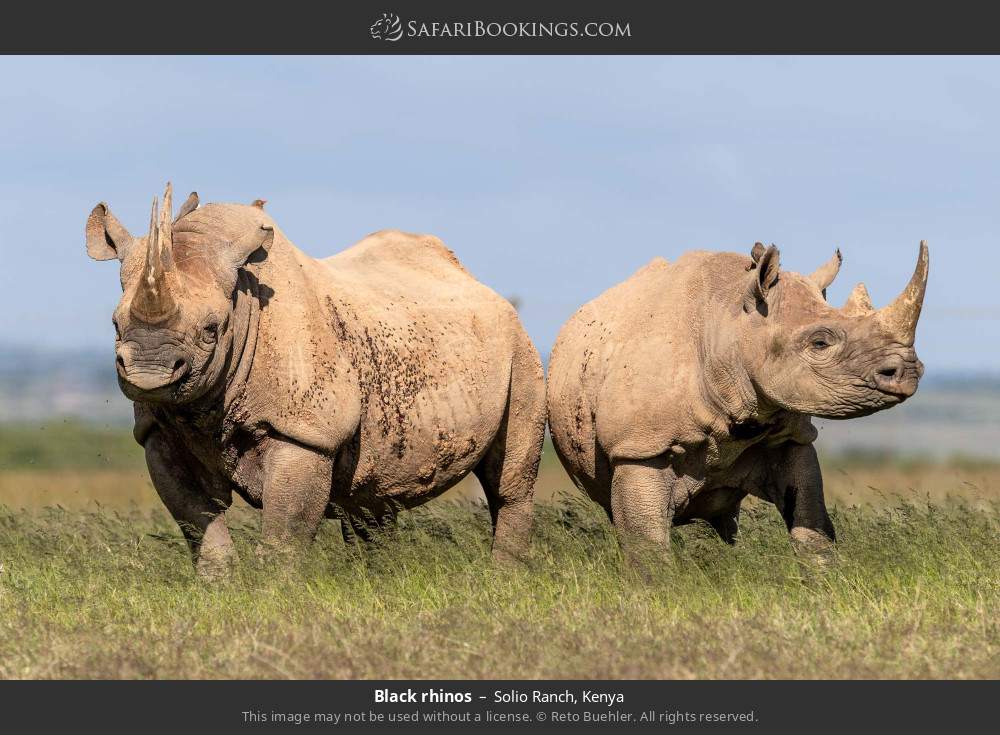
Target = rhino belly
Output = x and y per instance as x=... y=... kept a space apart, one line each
x=413 y=451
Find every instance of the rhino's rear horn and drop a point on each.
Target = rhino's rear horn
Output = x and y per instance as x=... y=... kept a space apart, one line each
x=858 y=303
x=153 y=302
x=900 y=317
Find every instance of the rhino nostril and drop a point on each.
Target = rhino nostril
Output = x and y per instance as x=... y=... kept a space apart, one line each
x=897 y=377
x=889 y=372
x=120 y=361
x=179 y=364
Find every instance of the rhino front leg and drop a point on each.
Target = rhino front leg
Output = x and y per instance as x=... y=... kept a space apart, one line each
x=642 y=508
x=199 y=513
x=297 y=485
x=797 y=491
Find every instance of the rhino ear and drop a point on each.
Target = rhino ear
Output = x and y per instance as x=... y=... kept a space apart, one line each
x=190 y=204
x=823 y=276
x=106 y=238
x=761 y=278
x=247 y=248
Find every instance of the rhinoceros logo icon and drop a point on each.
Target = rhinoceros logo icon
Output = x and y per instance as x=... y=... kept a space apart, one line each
x=387 y=28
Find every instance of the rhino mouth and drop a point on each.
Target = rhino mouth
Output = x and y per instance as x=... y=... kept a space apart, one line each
x=152 y=382
x=895 y=394
x=871 y=396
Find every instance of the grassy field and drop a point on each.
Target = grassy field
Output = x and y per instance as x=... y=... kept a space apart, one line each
x=107 y=591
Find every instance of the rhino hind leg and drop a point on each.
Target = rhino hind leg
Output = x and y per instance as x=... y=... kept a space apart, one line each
x=508 y=470
x=367 y=525
x=721 y=507
x=727 y=526
x=198 y=511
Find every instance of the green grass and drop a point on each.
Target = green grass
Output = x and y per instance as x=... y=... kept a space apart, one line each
x=68 y=444
x=913 y=592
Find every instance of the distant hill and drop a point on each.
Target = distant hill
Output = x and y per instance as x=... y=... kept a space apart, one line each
x=38 y=384
x=951 y=414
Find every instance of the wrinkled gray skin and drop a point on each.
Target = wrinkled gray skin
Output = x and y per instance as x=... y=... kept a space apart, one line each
x=348 y=388
x=678 y=392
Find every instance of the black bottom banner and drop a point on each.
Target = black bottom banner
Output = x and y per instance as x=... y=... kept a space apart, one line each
x=583 y=706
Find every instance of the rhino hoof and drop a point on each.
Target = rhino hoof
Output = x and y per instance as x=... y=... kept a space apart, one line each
x=215 y=568
x=813 y=546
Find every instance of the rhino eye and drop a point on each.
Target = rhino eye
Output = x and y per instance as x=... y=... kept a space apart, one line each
x=210 y=333
x=821 y=340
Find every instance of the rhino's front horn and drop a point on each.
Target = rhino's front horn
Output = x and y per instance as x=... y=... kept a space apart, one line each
x=900 y=317
x=153 y=302
x=823 y=276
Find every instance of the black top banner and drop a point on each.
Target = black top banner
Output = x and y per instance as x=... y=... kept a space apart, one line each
x=449 y=27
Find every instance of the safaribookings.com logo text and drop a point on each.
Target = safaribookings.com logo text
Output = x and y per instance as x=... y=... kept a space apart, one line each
x=390 y=28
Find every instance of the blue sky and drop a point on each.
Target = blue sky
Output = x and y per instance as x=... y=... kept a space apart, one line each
x=551 y=177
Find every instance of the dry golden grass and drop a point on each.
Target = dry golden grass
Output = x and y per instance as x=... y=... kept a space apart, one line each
x=847 y=483
x=119 y=489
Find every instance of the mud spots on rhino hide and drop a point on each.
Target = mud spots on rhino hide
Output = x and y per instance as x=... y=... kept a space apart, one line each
x=426 y=473
x=444 y=448
x=579 y=422
x=336 y=321
x=447 y=448
x=585 y=362
x=388 y=360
